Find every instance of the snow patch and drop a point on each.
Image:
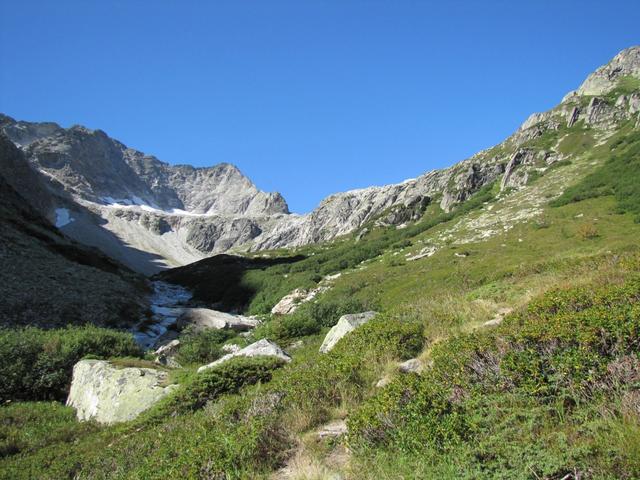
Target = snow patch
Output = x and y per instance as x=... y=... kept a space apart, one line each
x=63 y=217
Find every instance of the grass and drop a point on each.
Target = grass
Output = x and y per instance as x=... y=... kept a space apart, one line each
x=551 y=391
x=619 y=176
x=525 y=399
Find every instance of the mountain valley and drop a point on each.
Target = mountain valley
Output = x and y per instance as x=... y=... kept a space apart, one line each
x=480 y=321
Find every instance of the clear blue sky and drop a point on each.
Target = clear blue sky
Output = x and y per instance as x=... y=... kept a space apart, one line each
x=306 y=97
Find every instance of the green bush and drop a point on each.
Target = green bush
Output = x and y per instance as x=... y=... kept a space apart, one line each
x=322 y=381
x=411 y=414
x=37 y=364
x=287 y=327
x=202 y=347
x=210 y=384
x=28 y=426
x=534 y=380
x=618 y=176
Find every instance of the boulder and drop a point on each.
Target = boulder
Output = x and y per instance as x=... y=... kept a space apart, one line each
x=166 y=353
x=261 y=348
x=346 y=324
x=106 y=394
x=203 y=318
x=289 y=303
x=411 y=366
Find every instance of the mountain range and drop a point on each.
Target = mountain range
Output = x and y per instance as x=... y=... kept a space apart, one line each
x=150 y=215
x=476 y=322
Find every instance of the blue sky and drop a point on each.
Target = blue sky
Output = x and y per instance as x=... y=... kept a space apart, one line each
x=305 y=97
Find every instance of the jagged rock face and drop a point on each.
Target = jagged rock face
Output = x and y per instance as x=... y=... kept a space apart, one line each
x=97 y=168
x=110 y=395
x=182 y=214
x=23 y=178
x=207 y=236
x=605 y=78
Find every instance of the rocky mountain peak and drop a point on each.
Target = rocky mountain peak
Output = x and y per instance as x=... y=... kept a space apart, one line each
x=182 y=213
x=607 y=77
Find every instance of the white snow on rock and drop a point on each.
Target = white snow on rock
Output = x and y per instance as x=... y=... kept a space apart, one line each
x=63 y=217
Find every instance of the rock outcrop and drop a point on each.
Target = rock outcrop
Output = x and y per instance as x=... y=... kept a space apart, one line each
x=261 y=348
x=202 y=318
x=106 y=394
x=346 y=324
x=605 y=78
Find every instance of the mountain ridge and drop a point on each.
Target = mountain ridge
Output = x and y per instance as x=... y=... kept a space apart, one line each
x=184 y=213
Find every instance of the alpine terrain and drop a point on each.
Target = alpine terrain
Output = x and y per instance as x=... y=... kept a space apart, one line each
x=476 y=322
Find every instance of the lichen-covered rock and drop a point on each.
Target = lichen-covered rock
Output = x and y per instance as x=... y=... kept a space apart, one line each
x=203 y=318
x=106 y=394
x=261 y=348
x=346 y=324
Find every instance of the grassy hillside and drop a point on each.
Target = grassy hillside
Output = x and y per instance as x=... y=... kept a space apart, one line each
x=548 y=388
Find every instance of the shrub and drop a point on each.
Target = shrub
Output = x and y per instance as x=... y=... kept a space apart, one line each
x=308 y=319
x=411 y=414
x=618 y=176
x=28 y=426
x=324 y=381
x=202 y=347
x=587 y=231
x=285 y=328
x=328 y=312
x=37 y=364
x=210 y=384
x=561 y=349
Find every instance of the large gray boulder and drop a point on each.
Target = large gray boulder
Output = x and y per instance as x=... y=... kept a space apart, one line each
x=346 y=324
x=261 y=348
x=203 y=318
x=106 y=394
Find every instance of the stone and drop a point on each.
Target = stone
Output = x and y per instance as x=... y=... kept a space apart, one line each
x=202 y=318
x=573 y=117
x=333 y=429
x=106 y=394
x=290 y=303
x=170 y=348
x=346 y=324
x=166 y=353
x=605 y=78
x=384 y=381
x=261 y=348
x=413 y=365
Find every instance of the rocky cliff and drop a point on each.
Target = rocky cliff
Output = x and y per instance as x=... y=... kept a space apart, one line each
x=150 y=214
